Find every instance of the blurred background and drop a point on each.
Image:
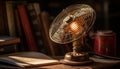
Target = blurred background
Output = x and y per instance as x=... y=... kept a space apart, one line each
x=107 y=18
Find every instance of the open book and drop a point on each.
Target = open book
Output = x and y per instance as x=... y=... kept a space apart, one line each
x=26 y=59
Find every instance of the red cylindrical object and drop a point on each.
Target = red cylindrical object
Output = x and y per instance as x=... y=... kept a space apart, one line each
x=105 y=43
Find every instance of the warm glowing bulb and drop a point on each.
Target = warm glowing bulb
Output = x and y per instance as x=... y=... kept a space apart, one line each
x=74 y=26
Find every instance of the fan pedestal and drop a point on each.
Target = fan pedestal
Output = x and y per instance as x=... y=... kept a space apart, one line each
x=77 y=57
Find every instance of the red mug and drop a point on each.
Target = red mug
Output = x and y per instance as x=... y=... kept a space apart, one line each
x=105 y=43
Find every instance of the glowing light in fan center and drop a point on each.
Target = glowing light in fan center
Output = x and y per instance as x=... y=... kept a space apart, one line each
x=75 y=27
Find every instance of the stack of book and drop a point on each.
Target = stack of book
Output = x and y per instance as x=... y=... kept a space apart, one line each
x=9 y=44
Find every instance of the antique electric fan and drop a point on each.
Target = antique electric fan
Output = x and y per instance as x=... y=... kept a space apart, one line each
x=72 y=25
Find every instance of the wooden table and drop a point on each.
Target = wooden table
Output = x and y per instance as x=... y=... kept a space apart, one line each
x=98 y=63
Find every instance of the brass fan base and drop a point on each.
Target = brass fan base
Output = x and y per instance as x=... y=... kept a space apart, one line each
x=76 y=59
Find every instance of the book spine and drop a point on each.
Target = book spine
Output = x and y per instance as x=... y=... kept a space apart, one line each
x=45 y=24
x=10 y=17
x=3 y=19
x=27 y=28
x=20 y=32
x=10 y=41
x=35 y=24
x=8 y=49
